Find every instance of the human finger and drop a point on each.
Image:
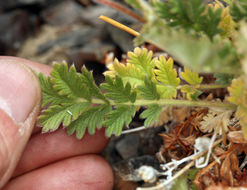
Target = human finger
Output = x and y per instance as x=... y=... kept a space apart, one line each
x=20 y=100
x=89 y=172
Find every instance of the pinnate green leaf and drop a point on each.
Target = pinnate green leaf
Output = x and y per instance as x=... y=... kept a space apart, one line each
x=117 y=91
x=49 y=94
x=165 y=72
x=68 y=82
x=151 y=114
x=191 y=77
x=91 y=119
x=238 y=10
x=128 y=72
x=167 y=92
x=88 y=80
x=190 y=15
x=192 y=93
x=223 y=78
x=119 y=118
x=238 y=96
x=148 y=90
x=236 y=91
x=55 y=115
x=142 y=59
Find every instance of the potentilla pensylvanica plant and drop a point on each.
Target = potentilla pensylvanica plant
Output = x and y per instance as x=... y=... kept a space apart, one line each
x=202 y=38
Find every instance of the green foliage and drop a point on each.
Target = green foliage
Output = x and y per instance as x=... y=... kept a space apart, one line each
x=118 y=118
x=92 y=118
x=142 y=59
x=68 y=82
x=78 y=103
x=223 y=78
x=50 y=95
x=87 y=79
x=57 y=114
x=69 y=95
x=181 y=183
x=238 y=10
x=194 y=80
x=199 y=37
x=151 y=114
x=148 y=90
x=201 y=54
x=191 y=77
x=238 y=96
x=118 y=91
x=190 y=14
x=165 y=72
x=128 y=72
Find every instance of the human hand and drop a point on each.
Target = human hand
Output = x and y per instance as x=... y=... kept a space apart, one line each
x=34 y=161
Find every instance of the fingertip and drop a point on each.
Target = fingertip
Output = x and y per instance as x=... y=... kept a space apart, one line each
x=47 y=148
x=89 y=172
x=20 y=101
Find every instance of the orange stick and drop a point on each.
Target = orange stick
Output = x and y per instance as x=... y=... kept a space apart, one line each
x=119 y=25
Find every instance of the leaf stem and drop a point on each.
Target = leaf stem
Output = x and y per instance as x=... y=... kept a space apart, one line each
x=169 y=102
x=206 y=86
x=212 y=86
x=175 y=102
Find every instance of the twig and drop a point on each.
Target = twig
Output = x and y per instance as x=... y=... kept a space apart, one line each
x=164 y=184
x=243 y=163
x=119 y=25
x=121 y=8
x=134 y=130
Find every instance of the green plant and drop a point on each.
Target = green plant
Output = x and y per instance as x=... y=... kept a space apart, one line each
x=202 y=38
x=77 y=103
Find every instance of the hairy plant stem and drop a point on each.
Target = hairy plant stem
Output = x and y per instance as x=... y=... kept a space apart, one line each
x=169 y=102
x=212 y=86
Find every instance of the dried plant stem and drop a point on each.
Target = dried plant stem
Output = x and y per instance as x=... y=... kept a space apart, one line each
x=180 y=172
x=190 y=164
x=123 y=9
x=134 y=130
x=119 y=25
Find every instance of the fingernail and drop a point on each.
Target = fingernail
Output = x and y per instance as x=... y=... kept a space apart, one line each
x=18 y=90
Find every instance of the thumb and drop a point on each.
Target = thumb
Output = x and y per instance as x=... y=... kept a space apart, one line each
x=20 y=99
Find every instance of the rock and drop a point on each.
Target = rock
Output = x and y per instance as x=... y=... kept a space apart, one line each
x=16 y=26
x=14 y=4
x=127 y=147
x=30 y=46
x=65 y=13
x=10 y=4
x=90 y=15
x=94 y=51
x=72 y=39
